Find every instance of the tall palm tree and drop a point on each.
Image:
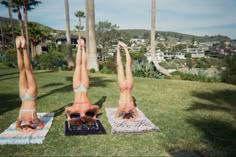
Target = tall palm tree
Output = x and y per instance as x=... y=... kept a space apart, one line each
x=8 y=4
x=80 y=15
x=92 y=49
x=2 y=35
x=153 y=45
x=69 y=50
x=16 y=9
x=28 y=5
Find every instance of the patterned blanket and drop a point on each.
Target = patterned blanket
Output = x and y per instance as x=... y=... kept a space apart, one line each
x=139 y=125
x=13 y=136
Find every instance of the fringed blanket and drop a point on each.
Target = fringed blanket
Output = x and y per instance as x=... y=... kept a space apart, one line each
x=138 y=125
x=13 y=136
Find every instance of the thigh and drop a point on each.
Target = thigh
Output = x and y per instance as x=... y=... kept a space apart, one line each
x=32 y=86
x=84 y=77
x=23 y=85
x=77 y=77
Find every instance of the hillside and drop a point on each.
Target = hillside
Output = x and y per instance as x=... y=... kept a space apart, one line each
x=181 y=36
x=140 y=33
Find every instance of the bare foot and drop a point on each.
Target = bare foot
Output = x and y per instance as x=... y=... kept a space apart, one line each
x=22 y=39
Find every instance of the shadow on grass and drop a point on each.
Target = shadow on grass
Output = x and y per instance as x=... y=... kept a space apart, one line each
x=52 y=85
x=219 y=134
x=99 y=82
x=66 y=88
x=7 y=74
x=9 y=102
x=61 y=110
x=13 y=77
x=100 y=102
x=187 y=153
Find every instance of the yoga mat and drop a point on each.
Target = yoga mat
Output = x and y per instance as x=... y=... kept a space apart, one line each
x=139 y=125
x=12 y=136
x=95 y=129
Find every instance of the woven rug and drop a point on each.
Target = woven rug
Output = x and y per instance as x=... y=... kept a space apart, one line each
x=13 y=136
x=139 y=125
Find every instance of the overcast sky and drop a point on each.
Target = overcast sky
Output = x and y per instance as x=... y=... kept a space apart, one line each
x=197 y=17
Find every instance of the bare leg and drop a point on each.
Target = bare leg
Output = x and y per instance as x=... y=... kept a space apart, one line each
x=32 y=86
x=129 y=75
x=120 y=70
x=84 y=75
x=77 y=72
x=22 y=79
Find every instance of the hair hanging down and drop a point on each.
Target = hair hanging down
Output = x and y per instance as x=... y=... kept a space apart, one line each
x=82 y=121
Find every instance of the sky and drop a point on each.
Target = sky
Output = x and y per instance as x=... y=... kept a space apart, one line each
x=196 y=17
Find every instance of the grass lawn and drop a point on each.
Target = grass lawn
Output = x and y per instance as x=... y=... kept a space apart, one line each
x=196 y=119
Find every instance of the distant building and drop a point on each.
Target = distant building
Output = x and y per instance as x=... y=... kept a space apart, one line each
x=63 y=40
x=195 y=52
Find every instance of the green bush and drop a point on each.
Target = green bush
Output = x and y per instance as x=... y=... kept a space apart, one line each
x=108 y=65
x=105 y=70
x=9 y=58
x=145 y=69
x=200 y=76
x=92 y=70
x=52 y=61
x=229 y=75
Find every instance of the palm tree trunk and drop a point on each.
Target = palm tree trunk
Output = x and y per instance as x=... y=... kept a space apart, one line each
x=2 y=36
x=92 y=50
x=79 y=27
x=69 y=50
x=26 y=31
x=12 y=25
x=20 y=21
x=153 y=45
x=87 y=24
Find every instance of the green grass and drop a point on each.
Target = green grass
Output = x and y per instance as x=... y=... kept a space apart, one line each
x=195 y=118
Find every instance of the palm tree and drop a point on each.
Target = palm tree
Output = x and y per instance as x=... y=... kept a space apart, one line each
x=92 y=48
x=79 y=14
x=8 y=4
x=27 y=6
x=2 y=35
x=69 y=50
x=16 y=9
x=153 y=45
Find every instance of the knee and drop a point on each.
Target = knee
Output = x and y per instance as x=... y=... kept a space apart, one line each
x=21 y=70
x=28 y=71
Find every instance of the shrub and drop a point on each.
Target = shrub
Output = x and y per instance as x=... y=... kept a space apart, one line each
x=9 y=58
x=53 y=61
x=145 y=69
x=105 y=70
x=200 y=76
x=92 y=70
x=108 y=65
x=229 y=75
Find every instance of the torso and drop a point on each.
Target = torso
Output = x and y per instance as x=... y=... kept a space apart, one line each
x=27 y=105
x=83 y=98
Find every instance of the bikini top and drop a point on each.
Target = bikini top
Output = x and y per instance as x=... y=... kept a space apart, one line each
x=27 y=97
x=81 y=88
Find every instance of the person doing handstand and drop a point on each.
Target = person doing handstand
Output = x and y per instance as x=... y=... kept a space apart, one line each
x=81 y=102
x=126 y=108
x=27 y=90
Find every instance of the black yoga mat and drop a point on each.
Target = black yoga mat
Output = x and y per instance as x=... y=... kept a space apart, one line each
x=83 y=129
